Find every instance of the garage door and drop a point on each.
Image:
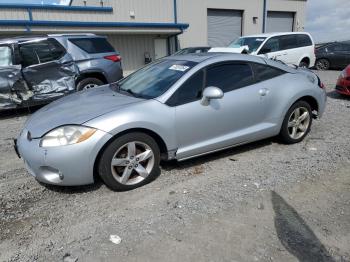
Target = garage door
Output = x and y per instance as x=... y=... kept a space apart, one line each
x=224 y=26
x=279 y=22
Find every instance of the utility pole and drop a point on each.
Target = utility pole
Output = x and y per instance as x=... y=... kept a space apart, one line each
x=264 y=16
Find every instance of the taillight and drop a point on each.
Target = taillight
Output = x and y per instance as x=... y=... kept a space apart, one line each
x=320 y=84
x=114 y=58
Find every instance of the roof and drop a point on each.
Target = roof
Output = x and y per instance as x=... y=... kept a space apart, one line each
x=222 y=57
x=19 y=39
x=276 y=34
x=200 y=57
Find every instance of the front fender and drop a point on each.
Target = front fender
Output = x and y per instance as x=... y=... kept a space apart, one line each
x=151 y=115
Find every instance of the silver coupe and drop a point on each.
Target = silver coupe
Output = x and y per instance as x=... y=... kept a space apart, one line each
x=178 y=107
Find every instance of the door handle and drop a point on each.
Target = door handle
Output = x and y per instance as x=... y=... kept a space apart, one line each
x=263 y=91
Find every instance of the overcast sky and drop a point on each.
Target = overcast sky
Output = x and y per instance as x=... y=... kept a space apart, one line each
x=327 y=20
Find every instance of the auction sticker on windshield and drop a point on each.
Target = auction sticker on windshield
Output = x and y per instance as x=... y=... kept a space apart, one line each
x=181 y=68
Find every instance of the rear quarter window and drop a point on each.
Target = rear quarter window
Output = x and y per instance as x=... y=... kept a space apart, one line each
x=288 y=42
x=93 y=45
x=265 y=72
x=304 y=40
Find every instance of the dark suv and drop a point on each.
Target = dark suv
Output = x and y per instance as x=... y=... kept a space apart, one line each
x=38 y=69
x=333 y=55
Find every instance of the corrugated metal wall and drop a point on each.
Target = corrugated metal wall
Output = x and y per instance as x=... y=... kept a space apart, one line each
x=132 y=49
x=145 y=10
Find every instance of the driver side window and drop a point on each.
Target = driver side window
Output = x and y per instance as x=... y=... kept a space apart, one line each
x=190 y=91
x=272 y=45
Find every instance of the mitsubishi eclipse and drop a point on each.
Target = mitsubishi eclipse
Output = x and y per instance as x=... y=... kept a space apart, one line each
x=178 y=108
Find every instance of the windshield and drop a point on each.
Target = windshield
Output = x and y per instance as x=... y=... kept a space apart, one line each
x=155 y=79
x=252 y=42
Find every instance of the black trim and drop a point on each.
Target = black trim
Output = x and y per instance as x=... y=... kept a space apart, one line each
x=15 y=147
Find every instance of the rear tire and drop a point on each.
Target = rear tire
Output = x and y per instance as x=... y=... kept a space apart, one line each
x=322 y=64
x=304 y=64
x=297 y=123
x=130 y=161
x=88 y=83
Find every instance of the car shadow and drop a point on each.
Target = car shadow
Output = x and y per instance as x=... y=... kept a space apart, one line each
x=73 y=189
x=334 y=95
x=18 y=112
x=295 y=235
x=231 y=152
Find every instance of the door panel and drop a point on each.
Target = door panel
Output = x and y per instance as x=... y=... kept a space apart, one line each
x=12 y=87
x=236 y=118
x=338 y=55
x=50 y=80
x=48 y=70
x=10 y=81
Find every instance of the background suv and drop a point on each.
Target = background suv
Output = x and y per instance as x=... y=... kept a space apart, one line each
x=98 y=62
x=292 y=48
x=333 y=55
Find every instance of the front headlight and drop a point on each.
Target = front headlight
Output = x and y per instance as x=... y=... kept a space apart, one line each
x=67 y=135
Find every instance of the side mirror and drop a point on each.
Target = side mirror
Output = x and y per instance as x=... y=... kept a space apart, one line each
x=265 y=51
x=209 y=93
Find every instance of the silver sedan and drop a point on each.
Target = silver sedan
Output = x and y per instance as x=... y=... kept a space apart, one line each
x=178 y=107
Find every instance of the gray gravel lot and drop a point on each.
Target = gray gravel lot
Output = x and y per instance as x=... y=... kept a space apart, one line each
x=261 y=202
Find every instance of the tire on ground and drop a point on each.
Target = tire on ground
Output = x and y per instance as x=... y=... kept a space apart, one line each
x=104 y=164
x=284 y=133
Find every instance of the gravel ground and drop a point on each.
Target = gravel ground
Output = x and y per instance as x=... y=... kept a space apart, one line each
x=260 y=202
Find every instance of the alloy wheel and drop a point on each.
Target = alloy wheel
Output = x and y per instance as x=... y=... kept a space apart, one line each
x=322 y=64
x=132 y=163
x=88 y=86
x=298 y=123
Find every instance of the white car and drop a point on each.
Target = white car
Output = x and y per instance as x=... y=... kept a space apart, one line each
x=292 y=48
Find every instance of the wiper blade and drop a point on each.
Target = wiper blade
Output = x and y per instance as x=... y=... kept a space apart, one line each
x=129 y=91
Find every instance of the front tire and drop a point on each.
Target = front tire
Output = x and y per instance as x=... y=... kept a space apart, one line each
x=130 y=161
x=297 y=123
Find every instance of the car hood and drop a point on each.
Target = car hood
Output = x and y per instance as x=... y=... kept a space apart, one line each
x=77 y=109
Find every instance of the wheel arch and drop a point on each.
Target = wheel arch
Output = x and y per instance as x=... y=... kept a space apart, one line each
x=311 y=101
x=159 y=140
x=306 y=59
x=94 y=74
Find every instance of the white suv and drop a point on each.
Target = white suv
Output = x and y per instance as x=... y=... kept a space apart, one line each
x=291 y=48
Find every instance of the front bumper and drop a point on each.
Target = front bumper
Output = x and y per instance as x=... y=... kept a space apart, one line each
x=69 y=165
x=343 y=90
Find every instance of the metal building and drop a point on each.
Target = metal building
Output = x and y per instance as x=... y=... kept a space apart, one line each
x=155 y=28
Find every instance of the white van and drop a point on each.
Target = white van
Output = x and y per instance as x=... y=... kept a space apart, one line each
x=293 y=48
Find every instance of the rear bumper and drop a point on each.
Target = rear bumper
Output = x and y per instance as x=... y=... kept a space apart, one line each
x=70 y=165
